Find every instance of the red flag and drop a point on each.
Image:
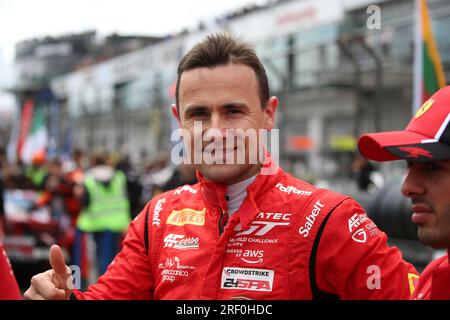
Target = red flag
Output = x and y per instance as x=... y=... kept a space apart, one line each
x=25 y=124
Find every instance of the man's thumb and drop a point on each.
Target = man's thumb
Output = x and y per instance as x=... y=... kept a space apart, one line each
x=57 y=262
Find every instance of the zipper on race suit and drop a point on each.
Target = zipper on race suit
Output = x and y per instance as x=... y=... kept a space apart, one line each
x=223 y=219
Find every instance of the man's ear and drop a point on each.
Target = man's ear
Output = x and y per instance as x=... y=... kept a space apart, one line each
x=176 y=113
x=269 y=113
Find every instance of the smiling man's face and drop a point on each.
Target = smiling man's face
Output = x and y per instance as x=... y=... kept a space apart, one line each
x=221 y=98
x=428 y=187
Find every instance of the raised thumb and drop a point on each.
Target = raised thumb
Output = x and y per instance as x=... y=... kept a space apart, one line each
x=59 y=267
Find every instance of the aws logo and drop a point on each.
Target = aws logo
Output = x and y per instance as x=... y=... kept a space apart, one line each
x=253 y=256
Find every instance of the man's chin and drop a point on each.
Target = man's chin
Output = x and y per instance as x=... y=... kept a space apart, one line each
x=428 y=237
x=224 y=173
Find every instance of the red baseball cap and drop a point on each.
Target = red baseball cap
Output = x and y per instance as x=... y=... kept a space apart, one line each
x=425 y=139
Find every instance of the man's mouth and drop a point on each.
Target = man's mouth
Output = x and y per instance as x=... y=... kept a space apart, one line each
x=421 y=213
x=219 y=151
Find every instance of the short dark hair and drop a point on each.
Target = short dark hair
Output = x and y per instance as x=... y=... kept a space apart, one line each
x=220 y=49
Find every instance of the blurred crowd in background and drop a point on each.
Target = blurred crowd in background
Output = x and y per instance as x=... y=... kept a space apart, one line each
x=62 y=189
x=41 y=204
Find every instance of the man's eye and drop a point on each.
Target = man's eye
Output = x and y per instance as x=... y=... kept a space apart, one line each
x=409 y=164
x=198 y=114
x=234 y=111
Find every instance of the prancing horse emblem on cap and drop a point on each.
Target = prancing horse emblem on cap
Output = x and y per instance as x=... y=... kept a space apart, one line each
x=415 y=152
x=424 y=108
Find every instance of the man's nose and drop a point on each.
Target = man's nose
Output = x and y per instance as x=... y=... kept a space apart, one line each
x=217 y=122
x=413 y=184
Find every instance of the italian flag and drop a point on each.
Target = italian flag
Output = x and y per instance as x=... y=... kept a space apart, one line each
x=428 y=72
x=33 y=136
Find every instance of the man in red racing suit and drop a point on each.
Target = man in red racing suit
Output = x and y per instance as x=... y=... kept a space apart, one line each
x=288 y=240
x=434 y=281
x=425 y=145
x=284 y=239
x=9 y=290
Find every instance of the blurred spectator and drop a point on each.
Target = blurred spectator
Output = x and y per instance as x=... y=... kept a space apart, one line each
x=134 y=187
x=59 y=195
x=157 y=173
x=14 y=177
x=105 y=213
x=37 y=171
x=365 y=174
x=79 y=159
x=183 y=174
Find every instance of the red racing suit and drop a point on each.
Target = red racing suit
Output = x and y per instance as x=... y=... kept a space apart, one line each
x=288 y=240
x=434 y=283
x=9 y=290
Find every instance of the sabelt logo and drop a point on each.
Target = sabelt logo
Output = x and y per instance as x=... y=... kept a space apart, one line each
x=158 y=207
x=247 y=279
x=187 y=216
x=310 y=219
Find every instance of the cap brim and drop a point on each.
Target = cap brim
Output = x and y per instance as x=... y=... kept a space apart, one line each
x=396 y=145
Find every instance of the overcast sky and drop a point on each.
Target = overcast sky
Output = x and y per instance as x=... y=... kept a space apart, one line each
x=25 y=19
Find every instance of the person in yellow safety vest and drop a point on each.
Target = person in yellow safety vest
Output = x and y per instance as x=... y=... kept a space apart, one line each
x=37 y=171
x=105 y=213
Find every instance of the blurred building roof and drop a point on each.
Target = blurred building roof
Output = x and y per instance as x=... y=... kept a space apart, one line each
x=40 y=60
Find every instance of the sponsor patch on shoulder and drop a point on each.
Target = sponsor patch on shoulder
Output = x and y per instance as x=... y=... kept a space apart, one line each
x=361 y=227
x=292 y=189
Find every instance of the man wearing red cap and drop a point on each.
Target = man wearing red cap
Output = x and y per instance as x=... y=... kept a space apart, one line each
x=425 y=145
